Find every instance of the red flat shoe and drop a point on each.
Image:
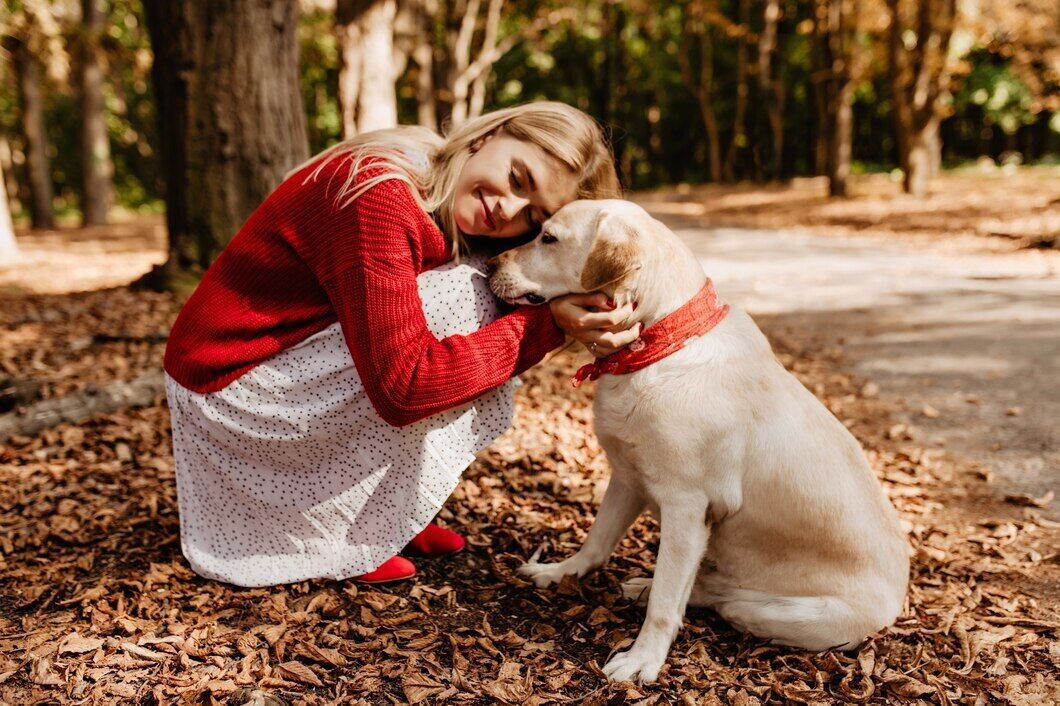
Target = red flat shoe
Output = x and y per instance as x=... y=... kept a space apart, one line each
x=434 y=540
x=396 y=568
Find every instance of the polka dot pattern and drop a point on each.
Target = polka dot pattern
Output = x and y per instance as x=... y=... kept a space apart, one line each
x=288 y=473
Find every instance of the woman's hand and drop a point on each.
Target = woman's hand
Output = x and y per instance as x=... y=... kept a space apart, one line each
x=593 y=320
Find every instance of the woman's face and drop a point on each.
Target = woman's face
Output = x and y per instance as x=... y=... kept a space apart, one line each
x=509 y=187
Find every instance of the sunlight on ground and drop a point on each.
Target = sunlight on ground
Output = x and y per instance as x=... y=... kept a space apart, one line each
x=71 y=259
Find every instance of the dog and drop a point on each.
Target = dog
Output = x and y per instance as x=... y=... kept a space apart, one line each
x=769 y=511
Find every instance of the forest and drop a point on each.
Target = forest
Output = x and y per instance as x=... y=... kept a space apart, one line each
x=876 y=183
x=689 y=92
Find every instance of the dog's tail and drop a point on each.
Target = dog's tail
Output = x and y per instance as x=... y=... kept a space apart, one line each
x=810 y=622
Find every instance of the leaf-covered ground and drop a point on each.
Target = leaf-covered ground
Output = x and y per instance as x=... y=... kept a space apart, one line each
x=97 y=605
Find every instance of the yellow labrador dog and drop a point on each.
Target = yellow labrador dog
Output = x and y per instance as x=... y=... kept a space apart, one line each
x=769 y=510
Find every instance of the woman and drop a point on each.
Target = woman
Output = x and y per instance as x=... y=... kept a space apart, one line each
x=338 y=366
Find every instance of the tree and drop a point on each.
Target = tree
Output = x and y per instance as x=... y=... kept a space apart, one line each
x=772 y=89
x=367 y=96
x=34 y=134
x=231 y=119
x=739 y=130
x=96 y=169
x=698 y=18
x=919 y=67
x=835 y=30
x=31 y=37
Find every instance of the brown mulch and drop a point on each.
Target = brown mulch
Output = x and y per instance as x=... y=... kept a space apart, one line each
x=993 y=209
x=97 y=605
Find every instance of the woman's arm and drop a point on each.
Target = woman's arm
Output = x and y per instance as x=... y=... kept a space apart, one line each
x=407 y=373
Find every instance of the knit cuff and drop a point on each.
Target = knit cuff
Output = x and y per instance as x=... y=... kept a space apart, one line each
x=540 y=336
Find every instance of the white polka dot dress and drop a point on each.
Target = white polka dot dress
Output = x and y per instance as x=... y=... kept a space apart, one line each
x=288 y=473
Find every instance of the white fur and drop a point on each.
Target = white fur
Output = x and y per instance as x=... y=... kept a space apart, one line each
x=769 y=510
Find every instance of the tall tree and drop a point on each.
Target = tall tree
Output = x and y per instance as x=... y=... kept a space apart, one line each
x=919 y=67
x=34 y=133
x=97 y=171
x=698 y=28
x=231 y=117
x=367 y=73
x=835 y=31
x=770 y=86
x=739 y=128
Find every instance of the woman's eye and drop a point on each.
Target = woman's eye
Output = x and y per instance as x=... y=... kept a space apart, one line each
x=548 y=238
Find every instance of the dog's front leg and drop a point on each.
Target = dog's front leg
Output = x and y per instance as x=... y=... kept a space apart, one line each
x=620 y=507
x=682 y=543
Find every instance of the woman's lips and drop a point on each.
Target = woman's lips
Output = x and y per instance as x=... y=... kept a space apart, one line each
x=486 y=213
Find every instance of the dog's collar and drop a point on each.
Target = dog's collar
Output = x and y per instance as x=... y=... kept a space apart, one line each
x=666 y=336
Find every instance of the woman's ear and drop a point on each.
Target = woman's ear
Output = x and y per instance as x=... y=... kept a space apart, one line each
x=612 y=258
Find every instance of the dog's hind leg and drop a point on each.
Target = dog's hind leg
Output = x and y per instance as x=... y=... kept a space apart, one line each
x=682 y=542
x=620 y=507
x=810 y=622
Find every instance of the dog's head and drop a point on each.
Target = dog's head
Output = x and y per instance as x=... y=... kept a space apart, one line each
x=586 y=246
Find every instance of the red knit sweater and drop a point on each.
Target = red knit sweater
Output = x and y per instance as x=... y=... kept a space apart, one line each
x=300 y=263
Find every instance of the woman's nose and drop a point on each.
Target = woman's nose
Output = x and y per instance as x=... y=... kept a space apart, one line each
x=511 y=206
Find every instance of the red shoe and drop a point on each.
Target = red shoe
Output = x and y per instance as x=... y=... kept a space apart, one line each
x=396 y=568
x=434 y=540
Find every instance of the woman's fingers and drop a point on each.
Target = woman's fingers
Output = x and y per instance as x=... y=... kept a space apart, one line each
x=614 y=339
x=606 y=319
x=603 y=331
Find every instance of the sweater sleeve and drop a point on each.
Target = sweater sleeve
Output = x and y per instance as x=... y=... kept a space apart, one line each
x=407 y=373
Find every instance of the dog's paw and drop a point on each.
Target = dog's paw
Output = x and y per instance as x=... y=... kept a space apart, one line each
x=634 y=664
x=637 y=589
x=545 y=574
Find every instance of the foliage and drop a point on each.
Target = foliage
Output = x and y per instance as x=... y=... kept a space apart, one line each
x=618 y=61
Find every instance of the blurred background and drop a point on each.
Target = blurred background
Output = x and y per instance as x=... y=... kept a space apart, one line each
x=105 y=102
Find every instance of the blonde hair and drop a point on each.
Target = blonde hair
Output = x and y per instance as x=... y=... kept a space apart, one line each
x=431 y=164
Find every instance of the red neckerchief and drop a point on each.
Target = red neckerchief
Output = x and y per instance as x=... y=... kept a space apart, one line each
x=668 y=335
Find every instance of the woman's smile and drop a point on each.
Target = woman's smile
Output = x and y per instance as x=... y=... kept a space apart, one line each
x=508 y=186
x=486 y=216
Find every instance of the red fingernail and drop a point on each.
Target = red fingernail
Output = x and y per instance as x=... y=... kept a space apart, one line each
x=634 y=306
x=611 y=303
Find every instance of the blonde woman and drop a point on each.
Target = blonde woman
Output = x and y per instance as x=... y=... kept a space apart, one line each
x=343 y=359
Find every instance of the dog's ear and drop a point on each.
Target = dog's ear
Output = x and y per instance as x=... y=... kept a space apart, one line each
x=613 y=255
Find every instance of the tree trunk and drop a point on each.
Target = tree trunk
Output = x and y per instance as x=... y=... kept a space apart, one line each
x=96 y=168
x=367 y=95
x=739 y=136
x=489 y=40
x=841 y=138
x=35 y=136
x=231 y=117
x=822 y=87
x=460 y=41
x=8 y=245
x=772 y=91
x=701 y=83
x=423 y=58
x=706 y=102
x=922 y=148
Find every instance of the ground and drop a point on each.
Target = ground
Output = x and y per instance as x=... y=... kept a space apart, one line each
x=937 y=352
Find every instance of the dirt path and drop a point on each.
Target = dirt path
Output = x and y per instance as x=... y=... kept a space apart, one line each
x=965 y=345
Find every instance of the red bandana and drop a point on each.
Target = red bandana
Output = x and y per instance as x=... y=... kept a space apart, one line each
x=668 y=335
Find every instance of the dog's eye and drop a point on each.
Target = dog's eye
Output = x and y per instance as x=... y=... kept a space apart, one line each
x=548 y=238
